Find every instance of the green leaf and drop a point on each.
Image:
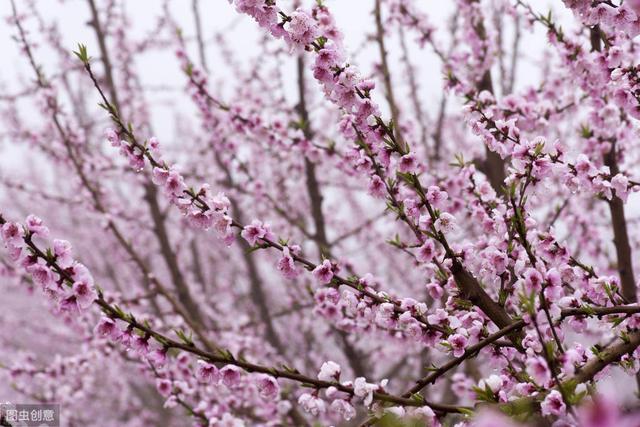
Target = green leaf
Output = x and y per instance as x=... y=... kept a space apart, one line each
x=183 y=337
x=189 y=69
x=466 y=411
x=588 y=310
x=519 y=409
x=82 y=54
x=485 y=394
x=391 y=420
x=416 y=397
x=585 y=131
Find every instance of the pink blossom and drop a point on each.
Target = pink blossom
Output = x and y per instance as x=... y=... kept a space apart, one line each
x=553 y=404
x=207 y=373
x=493 y=382
x=366 y=108
x=80 y=273
x=620 y=184
x=437 y=244
x=491 y=418
x=542 y=168
x=160 y=176
x=203 y=220
x=36 y=226
x=222 y=223
x=385 y=315
x=220 y=202
x=126 y=337
x=267 y=387
x=153 y=143
x=183 y=359
x=363 y=389
x=408 y=163
x=170 y=403
x=376 y=187
x=174 y=185
x=343 y=408
x=11 y=233
x=62 y=251
x=426 y=252
x=286 y=264
x=583 y=165
x=157 y=357
x=112 y=137
x=458 y=344
x=302 y=28
x=311 y=404
x=538 y=370
x=107 y=328
x=164 y=387
x=627 y=12
x=601 y=412
x=427 y=414
x=255 y=231
x=436 y=197
x=498 y=260
x=533 y=280
x=328 y=57
x=445 y=223
x=41 y=274
x=329 y=371
x=85 y=294
x=140 y=344
x=323 y=272
x=435 y=290
x=15 y=253
x=69 y=305
x=230 y=376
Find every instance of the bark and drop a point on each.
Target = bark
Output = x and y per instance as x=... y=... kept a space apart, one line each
x=169 y=256
x=386 y=73
x=493 y=165
x=356 y=360
x=621 y=235
x=257 y=293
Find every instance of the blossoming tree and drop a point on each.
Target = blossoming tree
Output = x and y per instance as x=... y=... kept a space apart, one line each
x=326 y=246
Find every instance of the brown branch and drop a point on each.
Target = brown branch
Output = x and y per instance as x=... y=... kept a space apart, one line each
x=313 y=188
x=353 y=355
x=95 y=192
x=158 y=219
x=104 y=53
x=219 y=356
x=257 y=293
x=514 y=54
x=414 y=93
x=621 y=235
x=199 y=37
x=471 y=351
x=169 y=256
x=493 y=166
x=616 y=207
x=471 y=290
x=386 y=73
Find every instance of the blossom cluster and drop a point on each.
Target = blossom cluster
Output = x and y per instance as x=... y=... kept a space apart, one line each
x=202 y=209
x=70 y=294
x=439 y=263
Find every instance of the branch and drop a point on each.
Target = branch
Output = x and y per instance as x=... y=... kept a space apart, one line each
x=220 y=356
